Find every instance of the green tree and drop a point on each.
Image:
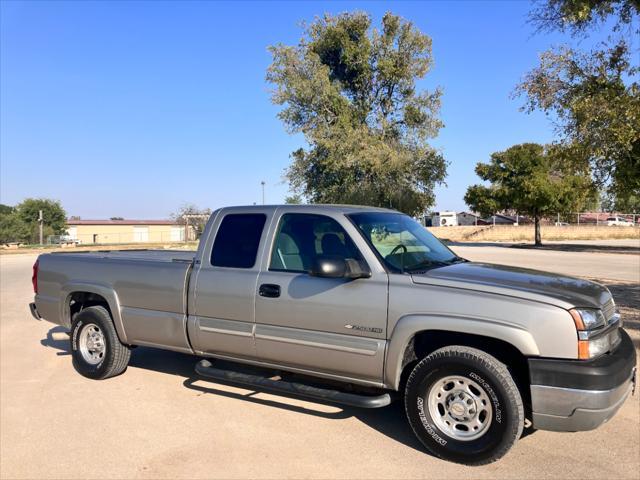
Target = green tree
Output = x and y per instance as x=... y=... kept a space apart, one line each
x=6 y=209
x=577 y=16
x=54 y=216
x=351 y=91
x=532 y=180
x=629 y=204
x=593 y=97
x=293 y=200
x=20 y=223
x=13 y=229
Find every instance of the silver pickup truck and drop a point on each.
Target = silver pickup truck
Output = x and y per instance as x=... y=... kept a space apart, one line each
x=367 y=304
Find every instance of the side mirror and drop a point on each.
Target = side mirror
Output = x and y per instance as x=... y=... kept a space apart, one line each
x=337 y=267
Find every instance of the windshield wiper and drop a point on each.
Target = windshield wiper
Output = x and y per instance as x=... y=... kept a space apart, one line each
x=458 y=260
x=433 y=263
x=426 y=263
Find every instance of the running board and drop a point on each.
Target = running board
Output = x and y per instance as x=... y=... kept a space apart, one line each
x=205 y=369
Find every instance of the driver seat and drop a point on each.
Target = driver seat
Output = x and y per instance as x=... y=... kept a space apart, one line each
x=332 y=245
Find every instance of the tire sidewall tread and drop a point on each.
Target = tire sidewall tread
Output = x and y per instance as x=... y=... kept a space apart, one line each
x=483 y=369
x=117 y=354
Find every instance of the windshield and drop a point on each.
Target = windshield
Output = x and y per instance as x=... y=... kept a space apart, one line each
x=402 y=243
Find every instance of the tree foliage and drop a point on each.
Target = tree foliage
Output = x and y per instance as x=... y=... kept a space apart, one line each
x=597 y=111
x=351 y=90
x=530 y=179
x=192 y=215
x=20 y=223
x=594 y=97
x=6 y=209
x=293 y=200
x=577 y=16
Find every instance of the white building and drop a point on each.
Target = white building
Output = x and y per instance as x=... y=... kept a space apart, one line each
x=444 y=219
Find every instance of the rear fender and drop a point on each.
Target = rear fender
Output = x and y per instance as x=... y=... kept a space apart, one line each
x=104 y=291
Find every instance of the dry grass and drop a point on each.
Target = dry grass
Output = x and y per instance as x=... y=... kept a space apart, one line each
x=521 y=233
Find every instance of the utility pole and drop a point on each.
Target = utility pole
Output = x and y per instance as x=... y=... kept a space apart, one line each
x=262 y=183
x=40 y=222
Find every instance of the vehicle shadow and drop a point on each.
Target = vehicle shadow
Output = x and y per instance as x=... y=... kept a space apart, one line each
x=389 y=421
x=58 y=338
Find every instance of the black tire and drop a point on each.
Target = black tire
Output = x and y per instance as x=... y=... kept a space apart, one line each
x=501 y=429
x=115 y=357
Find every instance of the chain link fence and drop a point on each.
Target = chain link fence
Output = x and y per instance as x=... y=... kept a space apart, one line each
x=591 y=219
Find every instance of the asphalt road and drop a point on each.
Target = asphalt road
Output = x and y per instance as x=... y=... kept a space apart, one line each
x=158 y=421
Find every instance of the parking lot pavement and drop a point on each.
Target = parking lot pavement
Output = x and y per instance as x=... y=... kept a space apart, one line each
x=158 y=421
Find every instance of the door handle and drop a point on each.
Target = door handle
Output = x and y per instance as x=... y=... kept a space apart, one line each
x=269 y=290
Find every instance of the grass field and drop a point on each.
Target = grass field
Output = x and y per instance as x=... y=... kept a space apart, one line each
x=524 y=233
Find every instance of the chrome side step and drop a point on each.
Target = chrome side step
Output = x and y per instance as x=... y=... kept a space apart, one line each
x=205 y=369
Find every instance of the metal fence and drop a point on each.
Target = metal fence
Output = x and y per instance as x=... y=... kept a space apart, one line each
x=449 y=219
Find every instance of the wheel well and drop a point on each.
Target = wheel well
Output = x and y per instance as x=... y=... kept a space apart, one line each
x=78 y=301
x=426 y=342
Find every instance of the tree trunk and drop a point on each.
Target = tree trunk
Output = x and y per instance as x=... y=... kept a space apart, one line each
x=538 y=236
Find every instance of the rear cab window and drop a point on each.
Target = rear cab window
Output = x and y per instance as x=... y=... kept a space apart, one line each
x=237 y=240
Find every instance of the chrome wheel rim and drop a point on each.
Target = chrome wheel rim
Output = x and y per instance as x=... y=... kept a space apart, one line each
x=92 y=344
x=460 y=408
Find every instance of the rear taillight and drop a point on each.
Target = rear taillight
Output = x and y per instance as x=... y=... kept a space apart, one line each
x=34 y=277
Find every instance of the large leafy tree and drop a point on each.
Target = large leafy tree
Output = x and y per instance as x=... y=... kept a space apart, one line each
x=53 y=214
x=530 y=179
x=351 y=90
x=12 y=228
x=593 y=97
x=20 y=223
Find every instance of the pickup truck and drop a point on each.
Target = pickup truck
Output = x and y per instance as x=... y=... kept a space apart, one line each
x=370 y=307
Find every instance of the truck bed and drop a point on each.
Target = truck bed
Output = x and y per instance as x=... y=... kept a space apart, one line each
x=147 y=286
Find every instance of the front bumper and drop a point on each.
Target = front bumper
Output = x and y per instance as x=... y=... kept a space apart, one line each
x=578 y=395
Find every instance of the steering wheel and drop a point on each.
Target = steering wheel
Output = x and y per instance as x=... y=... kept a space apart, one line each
x=398 y=247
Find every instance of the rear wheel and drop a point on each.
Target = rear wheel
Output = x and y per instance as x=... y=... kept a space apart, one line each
x=96 y=350
x=464 y=406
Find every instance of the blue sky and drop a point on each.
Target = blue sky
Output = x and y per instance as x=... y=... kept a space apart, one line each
x=132 y=109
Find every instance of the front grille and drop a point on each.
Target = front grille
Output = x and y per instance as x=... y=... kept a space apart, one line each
x=608 y=309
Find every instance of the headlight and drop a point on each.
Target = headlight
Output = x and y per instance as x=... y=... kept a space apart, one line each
x=593 y=338
x=590 y=319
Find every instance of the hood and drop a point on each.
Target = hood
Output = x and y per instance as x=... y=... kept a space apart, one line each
x=560 y=290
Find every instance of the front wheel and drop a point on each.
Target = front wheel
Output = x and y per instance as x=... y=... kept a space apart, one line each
x=464 y=406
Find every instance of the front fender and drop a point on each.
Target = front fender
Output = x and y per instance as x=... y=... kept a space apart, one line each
x=408 y=326
x=105 y=291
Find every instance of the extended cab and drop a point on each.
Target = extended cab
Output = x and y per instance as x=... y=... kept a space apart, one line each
x=366 y=299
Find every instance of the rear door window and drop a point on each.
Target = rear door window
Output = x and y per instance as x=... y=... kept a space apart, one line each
x=237 y=240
